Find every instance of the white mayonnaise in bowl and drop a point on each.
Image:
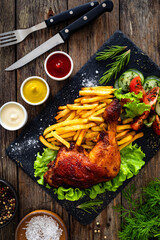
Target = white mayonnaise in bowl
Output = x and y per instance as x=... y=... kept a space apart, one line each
x=13 y=116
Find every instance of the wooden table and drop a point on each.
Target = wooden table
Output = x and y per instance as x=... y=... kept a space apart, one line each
x=139 y=20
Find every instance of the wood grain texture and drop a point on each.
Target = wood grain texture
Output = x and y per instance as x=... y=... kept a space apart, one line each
x=8 y=170
x=33 y=197
x=142 y=28
x=139 y=20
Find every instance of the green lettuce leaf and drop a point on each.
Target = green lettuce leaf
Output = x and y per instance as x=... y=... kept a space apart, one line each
x=131 y=162
x=129 y=95
x=40 y=164
x=134 y=109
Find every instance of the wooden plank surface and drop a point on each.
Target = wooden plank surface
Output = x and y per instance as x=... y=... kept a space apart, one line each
x=137 y=19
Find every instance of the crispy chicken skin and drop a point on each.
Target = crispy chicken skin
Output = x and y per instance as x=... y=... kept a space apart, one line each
x=75 y=167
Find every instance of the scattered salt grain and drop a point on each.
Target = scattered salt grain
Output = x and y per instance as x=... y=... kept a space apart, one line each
x=43 y=228
x=89 y=82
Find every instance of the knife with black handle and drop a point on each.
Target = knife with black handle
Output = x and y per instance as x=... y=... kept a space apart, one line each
x=106 y=6
x=17 y=36
x=63 y=34
x=71 y=13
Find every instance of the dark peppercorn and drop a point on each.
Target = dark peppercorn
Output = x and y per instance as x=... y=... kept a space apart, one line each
x=7 y=203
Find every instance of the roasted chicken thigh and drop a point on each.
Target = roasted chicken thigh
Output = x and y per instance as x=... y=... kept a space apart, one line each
x=75 y=167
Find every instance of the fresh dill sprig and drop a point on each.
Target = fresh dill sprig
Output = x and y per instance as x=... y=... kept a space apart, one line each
x=142 y=218
x=114 y=68
x=90 y=205
x=110 y=52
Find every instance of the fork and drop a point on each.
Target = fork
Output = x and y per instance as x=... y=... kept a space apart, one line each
x=17 y=36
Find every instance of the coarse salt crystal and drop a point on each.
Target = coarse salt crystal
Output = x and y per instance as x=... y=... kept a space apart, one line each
x=43 y=228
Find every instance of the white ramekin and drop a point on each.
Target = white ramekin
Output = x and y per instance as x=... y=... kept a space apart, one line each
x=24 y=121
x=55 y=78
x=28 y=79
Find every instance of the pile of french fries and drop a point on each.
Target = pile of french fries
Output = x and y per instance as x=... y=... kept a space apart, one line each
x=82 y=121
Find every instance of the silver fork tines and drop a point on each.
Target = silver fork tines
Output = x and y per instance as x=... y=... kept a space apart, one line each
x=17 y=36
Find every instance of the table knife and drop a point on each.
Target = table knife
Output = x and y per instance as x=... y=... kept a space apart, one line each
x=17 y=36
x=63 y=35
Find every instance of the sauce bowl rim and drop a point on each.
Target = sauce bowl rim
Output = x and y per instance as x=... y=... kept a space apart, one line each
x=25 y=116
x=55 y=78
x=28 y=79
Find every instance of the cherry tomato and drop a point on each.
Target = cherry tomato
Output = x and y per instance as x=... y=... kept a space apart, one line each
x=156 y=125
x=151 y=97
x=136 y=85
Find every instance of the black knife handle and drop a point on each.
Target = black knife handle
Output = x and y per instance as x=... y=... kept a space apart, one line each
x=86 y=18
x=71 y=13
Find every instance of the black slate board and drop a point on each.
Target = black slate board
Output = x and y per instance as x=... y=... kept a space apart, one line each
x=24 y=149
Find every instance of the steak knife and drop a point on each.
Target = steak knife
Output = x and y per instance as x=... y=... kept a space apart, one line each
x=17 y=36
x=64 y=34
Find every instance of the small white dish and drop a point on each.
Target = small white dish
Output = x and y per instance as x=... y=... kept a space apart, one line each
x=58 y=65
x=13 y=116
x=30 y=79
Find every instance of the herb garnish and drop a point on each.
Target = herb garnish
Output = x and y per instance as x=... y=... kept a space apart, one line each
x=110 y=52
x=116 y=66
x=142 y=219
x=90 y=205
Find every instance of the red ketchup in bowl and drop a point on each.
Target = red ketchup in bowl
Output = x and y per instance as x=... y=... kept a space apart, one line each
x=58 y=65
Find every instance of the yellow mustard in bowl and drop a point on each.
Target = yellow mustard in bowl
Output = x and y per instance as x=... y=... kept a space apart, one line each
x=34 y=90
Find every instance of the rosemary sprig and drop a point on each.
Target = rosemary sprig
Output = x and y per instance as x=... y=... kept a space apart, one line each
x=110 y=52
x=90 y=205
x=116 y=66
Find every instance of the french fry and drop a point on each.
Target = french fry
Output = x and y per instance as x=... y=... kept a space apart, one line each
x=70 y=139
x=127 y=120
x=121 y=134
x=97 y=88
x=124 y=140
x=95 y=99
x=90 y=143
x=62 y=113
x=91 y=135
x=74 y=128
x=78 y=100
x=97 y=129
x=74 y=107
x=123 y=127
x=81 y=136
x=71 y=116
x=52 y=139
x=98 y=112
x=133 y=133
x=64 y=123
x=62 y=107
x=76 y=135
x=89 y=113
x=66 y=135
x=60 y=139
x=96 y=119
x=107 y=101
x=96 y=92
x=138 y=135
x=62 y=119
x=56 y=143
x=85 y=146
x=47 y=144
